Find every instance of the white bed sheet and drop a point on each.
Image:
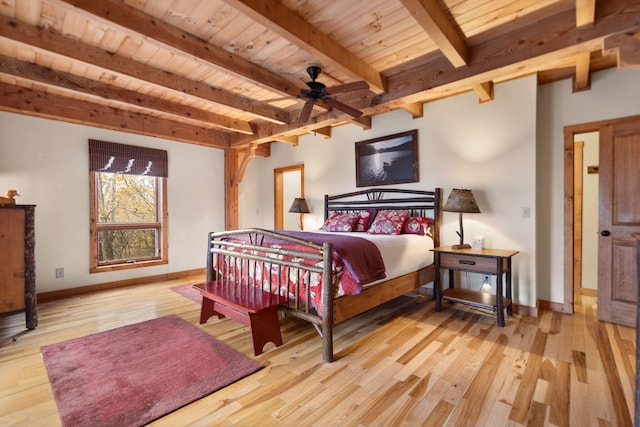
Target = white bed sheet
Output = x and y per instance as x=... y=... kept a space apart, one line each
x=402 y=253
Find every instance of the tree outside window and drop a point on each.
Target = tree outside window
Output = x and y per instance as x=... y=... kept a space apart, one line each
x=128 y=211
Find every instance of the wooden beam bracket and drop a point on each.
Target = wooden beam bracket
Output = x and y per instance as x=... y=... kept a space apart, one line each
x=249 y=154
x=484 y=91
x=582 y=76
x=416 y=109
x=324 y=131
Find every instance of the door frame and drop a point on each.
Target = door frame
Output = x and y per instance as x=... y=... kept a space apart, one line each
x=570 y=250
x=278 y=189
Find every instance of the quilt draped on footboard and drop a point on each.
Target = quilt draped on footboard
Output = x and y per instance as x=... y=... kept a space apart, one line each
x=355 y=263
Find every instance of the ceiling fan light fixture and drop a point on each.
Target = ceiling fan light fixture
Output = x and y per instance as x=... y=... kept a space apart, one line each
x=314 y=71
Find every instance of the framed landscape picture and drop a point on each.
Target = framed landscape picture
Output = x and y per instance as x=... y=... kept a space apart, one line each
x=391 y=159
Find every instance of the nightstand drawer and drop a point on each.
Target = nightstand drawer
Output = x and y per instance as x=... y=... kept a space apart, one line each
x=469 y=263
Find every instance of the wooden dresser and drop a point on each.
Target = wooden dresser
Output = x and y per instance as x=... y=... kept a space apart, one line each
x=17 y=262
x=637 y=411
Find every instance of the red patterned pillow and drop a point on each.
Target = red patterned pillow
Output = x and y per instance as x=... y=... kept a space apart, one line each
x=339 y=221
x=365 y=220
x=417 y=225
x=388 y=222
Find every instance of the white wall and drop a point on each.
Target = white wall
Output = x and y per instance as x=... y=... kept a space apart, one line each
x=508 y=151
x=47 y=162
x=489 y=148
x=613 y=94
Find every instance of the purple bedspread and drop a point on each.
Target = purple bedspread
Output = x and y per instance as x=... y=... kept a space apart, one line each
x=361 y=257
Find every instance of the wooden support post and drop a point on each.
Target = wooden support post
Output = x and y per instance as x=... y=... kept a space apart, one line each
x=230 y=190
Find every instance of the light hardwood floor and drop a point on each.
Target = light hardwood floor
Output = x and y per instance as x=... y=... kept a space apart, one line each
x=399 y=364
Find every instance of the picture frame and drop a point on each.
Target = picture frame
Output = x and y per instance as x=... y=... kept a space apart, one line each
x=386 y=160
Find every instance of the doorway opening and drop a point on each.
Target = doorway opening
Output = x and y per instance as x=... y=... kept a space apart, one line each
x=585 y=215
x=574 y=224
x=572 y=212
x=288 y=183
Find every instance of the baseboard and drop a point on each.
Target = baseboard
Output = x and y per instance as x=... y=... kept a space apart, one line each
x=589 y=292
x=553 y=306
x=64 y=293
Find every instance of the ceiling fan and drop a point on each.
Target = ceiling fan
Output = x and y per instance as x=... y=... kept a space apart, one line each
x=319 y=92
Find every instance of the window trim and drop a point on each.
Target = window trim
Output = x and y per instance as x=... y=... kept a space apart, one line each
x=94 y=267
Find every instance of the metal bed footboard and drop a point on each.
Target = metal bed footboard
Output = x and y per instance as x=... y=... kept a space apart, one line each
x=245 y=264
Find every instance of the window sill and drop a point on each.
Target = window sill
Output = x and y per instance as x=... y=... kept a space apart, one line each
x=127 y=266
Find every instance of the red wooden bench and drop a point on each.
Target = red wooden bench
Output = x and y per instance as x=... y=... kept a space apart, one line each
x=248 y=305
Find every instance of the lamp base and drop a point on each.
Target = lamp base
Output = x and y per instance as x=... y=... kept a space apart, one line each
x=462 y=246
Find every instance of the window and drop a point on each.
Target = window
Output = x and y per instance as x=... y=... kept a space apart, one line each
x=128 y=206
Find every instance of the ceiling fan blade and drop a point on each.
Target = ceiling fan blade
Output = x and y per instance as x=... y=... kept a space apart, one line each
x=342 y=107
x=347 y=87
x=306 y=112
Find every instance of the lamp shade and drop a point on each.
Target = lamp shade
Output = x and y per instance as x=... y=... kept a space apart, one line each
x=299 y=205
x=461 y=201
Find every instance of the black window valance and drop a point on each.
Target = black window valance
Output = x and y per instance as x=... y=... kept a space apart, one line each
x=127 y=159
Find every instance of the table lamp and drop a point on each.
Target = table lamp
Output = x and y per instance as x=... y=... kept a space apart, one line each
x=300 y=206
x=461 y=201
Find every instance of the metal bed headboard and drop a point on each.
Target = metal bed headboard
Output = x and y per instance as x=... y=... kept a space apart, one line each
x=417 y=202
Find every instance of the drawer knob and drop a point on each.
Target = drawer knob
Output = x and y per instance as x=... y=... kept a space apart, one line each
x=467 y=262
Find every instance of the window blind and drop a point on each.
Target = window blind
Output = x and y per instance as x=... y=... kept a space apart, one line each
x=127 y=159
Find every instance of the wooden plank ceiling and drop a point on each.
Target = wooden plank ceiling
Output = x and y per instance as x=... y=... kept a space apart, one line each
x=206 y=71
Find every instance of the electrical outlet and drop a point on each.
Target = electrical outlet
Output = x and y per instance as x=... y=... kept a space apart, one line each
x=59 y=273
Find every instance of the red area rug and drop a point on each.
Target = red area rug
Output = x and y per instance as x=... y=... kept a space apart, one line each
x=132 y=375
x=187 y=291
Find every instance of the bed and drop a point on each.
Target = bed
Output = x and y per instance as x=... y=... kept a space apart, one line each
x=297 y=264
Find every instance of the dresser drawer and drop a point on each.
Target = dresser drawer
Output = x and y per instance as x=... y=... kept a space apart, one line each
x=478 y=264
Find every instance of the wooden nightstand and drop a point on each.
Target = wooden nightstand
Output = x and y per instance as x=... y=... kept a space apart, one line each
x=485 y=261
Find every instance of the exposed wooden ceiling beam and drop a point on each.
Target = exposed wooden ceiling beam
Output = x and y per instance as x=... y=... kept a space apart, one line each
x=139 y=22
x=287 y=139
x=47 y=105
x=283 y=133
x=445 y=33
x=495 y=59
x=543 y=42
x=585 y=12
x=288 y=24
x=626 y=49
x=48 y=76
x=363 y=121
x=558 y=72
x=61 y=45
x=582 y=77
